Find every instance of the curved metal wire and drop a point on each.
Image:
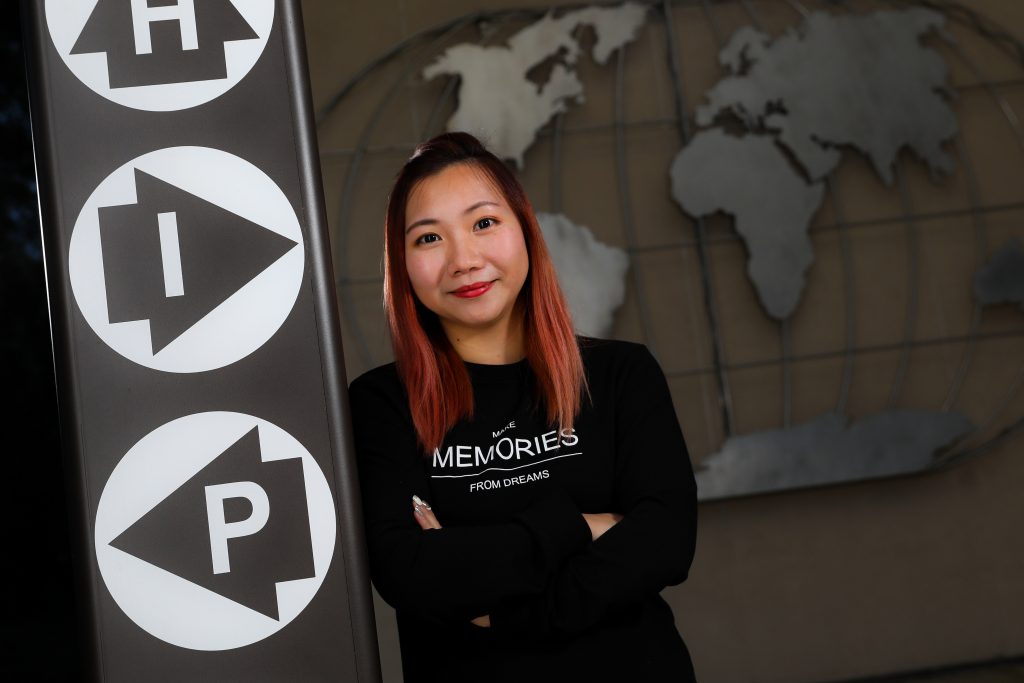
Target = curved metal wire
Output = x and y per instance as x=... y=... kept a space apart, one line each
x=849 y=289
x=437 y=110
x=953 y=458
x=401 y=46
x=372 y=65
x=910 y=230
x=976 y=22
x=799 y=8
x=555 y=202
x=717 y=351
x=974 y=198
x=786 y=342
x=785 y=336
x=784 y=331
x=1015 y=48
x=755 y=20
x=555 y=188
x=450 y=88
x=625 y=200
x=1011 y=393
x=1017 y=333
x=716 y=31
x=981 y=249
x=910 y=318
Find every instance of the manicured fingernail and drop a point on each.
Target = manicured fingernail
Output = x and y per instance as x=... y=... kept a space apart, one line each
x=417 y=510
x=419 y=501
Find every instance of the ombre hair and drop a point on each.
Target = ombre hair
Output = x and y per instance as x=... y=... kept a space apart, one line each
x=436 y=380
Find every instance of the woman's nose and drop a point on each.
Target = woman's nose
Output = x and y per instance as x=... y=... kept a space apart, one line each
x=464 y=255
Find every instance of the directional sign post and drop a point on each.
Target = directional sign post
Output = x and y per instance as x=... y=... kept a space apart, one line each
x=196 y=337
x=147 y=54
x=186 y=214
x=230 y=552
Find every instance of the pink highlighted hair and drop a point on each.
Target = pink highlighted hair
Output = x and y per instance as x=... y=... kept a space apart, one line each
x=435 y=377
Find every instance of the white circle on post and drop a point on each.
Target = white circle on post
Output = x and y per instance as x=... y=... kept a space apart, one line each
x=186 y=259
x=171 y=56
x=215 y=531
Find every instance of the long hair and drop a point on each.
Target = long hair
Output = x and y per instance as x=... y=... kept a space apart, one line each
x=436 y=380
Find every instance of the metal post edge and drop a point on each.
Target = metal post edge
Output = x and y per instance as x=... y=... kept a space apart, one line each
x=34 y=41
x=348 y=504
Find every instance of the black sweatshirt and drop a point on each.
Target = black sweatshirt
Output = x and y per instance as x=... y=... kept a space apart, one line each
x=509 y=490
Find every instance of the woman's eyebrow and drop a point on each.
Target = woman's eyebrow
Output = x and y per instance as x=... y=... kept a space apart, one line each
x=486 y=202
x=434 y=221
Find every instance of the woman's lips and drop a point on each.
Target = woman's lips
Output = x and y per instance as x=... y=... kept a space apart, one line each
x=473 y=290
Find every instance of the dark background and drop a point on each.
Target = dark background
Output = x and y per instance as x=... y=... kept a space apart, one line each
x=40 y=639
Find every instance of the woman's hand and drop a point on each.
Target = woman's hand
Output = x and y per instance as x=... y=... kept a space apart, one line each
x=600 y=522
x=426 y=519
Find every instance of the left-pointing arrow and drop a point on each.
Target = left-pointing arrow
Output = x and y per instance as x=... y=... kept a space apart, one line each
x=218 y=252
x=238 y=527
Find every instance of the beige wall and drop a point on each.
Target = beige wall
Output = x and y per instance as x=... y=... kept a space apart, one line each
x=814 y=585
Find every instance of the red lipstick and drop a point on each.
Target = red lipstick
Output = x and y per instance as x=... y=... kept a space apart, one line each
x=473 y=290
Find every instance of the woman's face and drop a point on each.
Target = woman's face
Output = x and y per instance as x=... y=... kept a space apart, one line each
x=464 y=250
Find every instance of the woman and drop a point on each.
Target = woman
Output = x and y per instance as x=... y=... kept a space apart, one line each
x=561 y=496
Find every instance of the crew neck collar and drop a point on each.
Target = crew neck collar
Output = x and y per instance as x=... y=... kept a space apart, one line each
x=482 y=372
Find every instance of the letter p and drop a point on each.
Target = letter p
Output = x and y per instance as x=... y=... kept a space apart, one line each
x=221 y=530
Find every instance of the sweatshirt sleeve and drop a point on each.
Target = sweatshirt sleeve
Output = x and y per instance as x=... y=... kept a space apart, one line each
x=653 y=545
x=453 y=573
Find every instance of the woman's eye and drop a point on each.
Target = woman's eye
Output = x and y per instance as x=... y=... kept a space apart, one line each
x=427 y=238
x=486 y=223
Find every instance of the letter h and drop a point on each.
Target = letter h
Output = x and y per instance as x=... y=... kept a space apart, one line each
x=182 y=11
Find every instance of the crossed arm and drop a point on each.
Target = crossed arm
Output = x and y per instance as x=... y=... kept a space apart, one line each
x=598 y=522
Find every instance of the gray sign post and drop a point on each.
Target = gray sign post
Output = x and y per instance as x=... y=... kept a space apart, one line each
x=200 y=375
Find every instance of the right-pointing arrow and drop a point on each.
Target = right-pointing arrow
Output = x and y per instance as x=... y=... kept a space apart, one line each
x=218 y=253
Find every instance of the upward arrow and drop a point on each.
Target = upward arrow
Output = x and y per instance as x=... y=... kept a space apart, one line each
x=175 y=534
x=218 y=251
x=111 y=28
